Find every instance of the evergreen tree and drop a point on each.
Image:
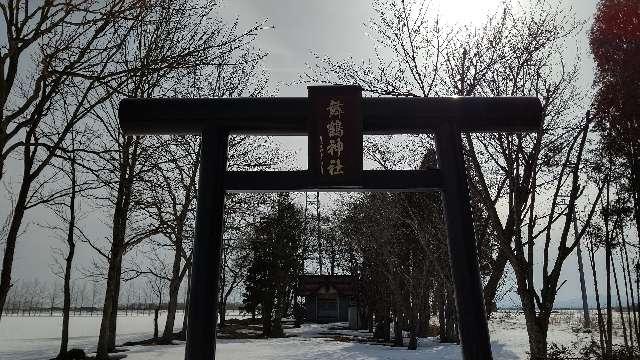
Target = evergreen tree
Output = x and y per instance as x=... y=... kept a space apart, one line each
x=276 y=265
x=615 y=45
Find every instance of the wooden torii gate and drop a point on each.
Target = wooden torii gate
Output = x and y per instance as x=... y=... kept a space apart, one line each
x=214 y=119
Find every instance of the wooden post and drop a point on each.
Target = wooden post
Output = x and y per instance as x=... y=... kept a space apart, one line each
x=472 y=319
x=203 y=299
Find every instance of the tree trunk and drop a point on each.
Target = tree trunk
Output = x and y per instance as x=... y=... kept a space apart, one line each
x=386 y=327
x=397 y=330
x=423 y=324
x=624 y=326
x=414 y=326
x=586 y=323
x=601 y=329
x=107 y=337
x=53 y=301
x=378 y=332
x=10 y=244
x=609 y=333
x=186 y=303
x=279 y=311
x=267 y=308
x=537 y=322
x=424 y=317
x=629 y=286
x=174 y=289
x=222 y=283
x=491 y=287
x=110 y=301
x=447 y=317
x=66 y=307
x=537 y=330
x=382 y=331
x=637 y=272
x=155 y=323
x=635 y=189
x=222 y=314
x=451 y=319
x=113 y=322
x=441 y=316
x=298 y=312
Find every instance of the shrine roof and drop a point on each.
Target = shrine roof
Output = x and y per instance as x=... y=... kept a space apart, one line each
x=325 y=284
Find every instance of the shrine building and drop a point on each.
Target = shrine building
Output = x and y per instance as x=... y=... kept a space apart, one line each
x=327 y=297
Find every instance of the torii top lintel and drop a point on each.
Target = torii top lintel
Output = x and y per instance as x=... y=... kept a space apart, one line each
x=288 y=115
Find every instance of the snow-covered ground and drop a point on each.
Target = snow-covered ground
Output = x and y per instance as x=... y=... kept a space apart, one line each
x=38 y=337
x=31 y=338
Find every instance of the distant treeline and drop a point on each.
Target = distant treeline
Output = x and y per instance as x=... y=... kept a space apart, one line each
x=22 y=309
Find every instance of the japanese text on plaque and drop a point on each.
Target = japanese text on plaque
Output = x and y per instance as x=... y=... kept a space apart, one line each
x=334 y=145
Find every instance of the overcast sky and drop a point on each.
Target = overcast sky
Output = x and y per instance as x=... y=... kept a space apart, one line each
x=329 y=28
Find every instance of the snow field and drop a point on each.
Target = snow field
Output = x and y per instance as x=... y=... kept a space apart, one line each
x=36 y=338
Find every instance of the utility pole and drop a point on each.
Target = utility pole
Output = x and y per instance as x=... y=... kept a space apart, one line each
x=319 y=233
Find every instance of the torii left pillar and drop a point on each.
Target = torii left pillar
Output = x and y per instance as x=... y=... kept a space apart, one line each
x=201 y=333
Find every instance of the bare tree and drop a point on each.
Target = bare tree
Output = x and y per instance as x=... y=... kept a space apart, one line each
x=174 y=40
x=158 y=286
x=510 y=55
x=170 y=202
x=170 y=196
x=515 y=53
x=235 y=262
x=70 y=220
x=56 y=59
x=538 y=307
